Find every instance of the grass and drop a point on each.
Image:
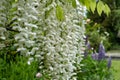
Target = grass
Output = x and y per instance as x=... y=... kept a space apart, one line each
x=116 y=67
x=17 y=69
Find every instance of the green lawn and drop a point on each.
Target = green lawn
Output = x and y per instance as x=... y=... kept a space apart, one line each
x=116 y=66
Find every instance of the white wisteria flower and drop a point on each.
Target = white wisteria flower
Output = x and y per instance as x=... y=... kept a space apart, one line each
x=50 y=30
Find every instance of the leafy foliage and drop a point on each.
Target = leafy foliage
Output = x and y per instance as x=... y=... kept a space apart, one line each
x=93 y=70
x=93 y=4
x=109 y=23
x=96 y=34
x=96 y=67
x=18 y=69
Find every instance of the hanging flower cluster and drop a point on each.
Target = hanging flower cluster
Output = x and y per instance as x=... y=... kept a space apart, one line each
x=62 y=40
x=50 y=30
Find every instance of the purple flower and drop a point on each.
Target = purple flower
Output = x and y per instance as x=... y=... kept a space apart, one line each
x=95 y=56
x=88 y=45
x=101 y=53
x=109 y=62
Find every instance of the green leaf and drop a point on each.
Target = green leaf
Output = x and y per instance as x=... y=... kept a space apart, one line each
x=87 y=4
x=100 y=7
x=106 y=9
x=74 y=3
x=82 y=2
x=93 y=5
x=90 y=4
x=59 y=13
x=16 y=0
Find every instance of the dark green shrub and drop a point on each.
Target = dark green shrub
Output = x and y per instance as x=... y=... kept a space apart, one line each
x=96 y=34
x=110 y=23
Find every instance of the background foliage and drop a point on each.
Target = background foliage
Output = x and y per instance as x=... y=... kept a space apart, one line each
x=109 y=24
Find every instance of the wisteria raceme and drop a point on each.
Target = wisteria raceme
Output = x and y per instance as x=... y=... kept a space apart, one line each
x=61 y=43
x=101 y=53
x=109 y=62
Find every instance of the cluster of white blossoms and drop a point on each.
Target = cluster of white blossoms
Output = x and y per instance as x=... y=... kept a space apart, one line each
x=26 y=25
x=56 y=44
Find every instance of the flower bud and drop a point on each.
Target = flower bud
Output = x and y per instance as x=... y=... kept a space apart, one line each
x=38 y=75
